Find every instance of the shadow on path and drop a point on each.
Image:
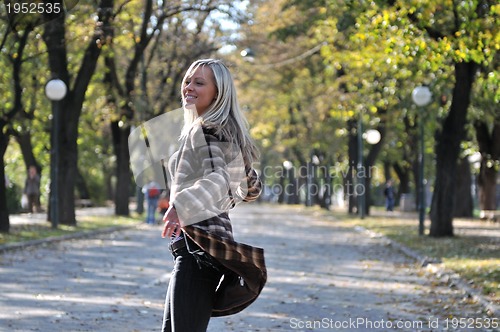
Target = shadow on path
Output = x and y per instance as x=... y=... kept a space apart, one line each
x=320 y=276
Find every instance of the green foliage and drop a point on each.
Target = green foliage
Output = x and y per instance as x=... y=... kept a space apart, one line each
x=175 y=43
x=288 y=90
x=318 y=64
x=374 y=53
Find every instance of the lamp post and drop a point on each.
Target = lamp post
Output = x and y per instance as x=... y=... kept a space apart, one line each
x=372 y=136
x=311 y=170
x=55 y=90
x=359 y=170
x=421 y=96
x=288 y=166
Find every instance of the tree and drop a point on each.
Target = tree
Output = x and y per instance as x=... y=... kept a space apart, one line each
x=364 y=93
x=126 y=94
x=486 y=122
x=488 y=137
x=55 y=38
x=17 y=40
x=440 y=39
x=468 y=30
x=463 y=204
x=288 y=92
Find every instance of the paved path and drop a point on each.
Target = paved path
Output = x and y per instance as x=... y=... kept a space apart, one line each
x=321 y=277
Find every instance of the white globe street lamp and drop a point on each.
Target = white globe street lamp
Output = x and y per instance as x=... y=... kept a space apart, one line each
x=421 y=96
x=287 y=164
x=372 y=136
x=248 y=54
x=55 y=90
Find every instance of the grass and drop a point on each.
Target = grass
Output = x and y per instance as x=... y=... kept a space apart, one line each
x=476 y=258
x=21 y=233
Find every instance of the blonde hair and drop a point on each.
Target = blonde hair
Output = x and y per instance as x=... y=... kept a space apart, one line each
x=224 y=114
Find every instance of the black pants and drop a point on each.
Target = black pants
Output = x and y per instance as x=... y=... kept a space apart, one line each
x=190 y=294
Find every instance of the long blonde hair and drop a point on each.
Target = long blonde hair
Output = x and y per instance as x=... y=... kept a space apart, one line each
x=224 y=114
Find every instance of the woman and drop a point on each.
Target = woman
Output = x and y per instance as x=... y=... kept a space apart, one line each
x=210 y=173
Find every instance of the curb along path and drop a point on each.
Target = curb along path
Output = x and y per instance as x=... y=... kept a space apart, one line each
x=321 y=277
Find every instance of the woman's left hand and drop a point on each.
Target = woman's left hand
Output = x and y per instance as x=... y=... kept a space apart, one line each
x=172 y=223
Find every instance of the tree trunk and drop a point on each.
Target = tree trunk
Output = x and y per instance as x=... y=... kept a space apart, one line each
x=71 y=106
x=54 y=37
x=123 y=176
x=7 y=115
x=489 y=147
x=4 y=212
x=415 y=169
x=24 y=141
x=448 y=150
x=68 y=163
x=487 y=184
x=281 y=197
x=403 y=174
x=353 y=160
x=294 y=187
x=464 y=204
x=315 y=185
x=370 y=162
x=81 y=186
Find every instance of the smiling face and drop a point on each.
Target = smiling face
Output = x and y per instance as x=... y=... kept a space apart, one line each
x=199 y=89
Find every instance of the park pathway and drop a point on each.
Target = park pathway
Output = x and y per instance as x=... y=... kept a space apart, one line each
x=321 y=277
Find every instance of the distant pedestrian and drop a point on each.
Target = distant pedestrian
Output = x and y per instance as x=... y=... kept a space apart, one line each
x=32 y=189
x=163 y=202
x=213 y=275
x=389 y=196
x=152 y=193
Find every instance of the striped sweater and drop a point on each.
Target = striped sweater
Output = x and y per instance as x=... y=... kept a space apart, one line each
x=209 y=177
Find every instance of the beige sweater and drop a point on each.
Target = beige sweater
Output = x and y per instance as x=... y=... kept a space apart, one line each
x=209 y=177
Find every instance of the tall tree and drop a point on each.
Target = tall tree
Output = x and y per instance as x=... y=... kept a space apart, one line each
x=463 y=203
x=470 y=32
x=288 y=92
x=77 y=81
x=440 y=39
x=126 y=94
x=16 y=37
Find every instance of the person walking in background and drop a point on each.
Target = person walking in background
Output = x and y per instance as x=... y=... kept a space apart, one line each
x=163 y=202
x=389 y=196
x=152 y=193
x=212 y=171
x=32 y=190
